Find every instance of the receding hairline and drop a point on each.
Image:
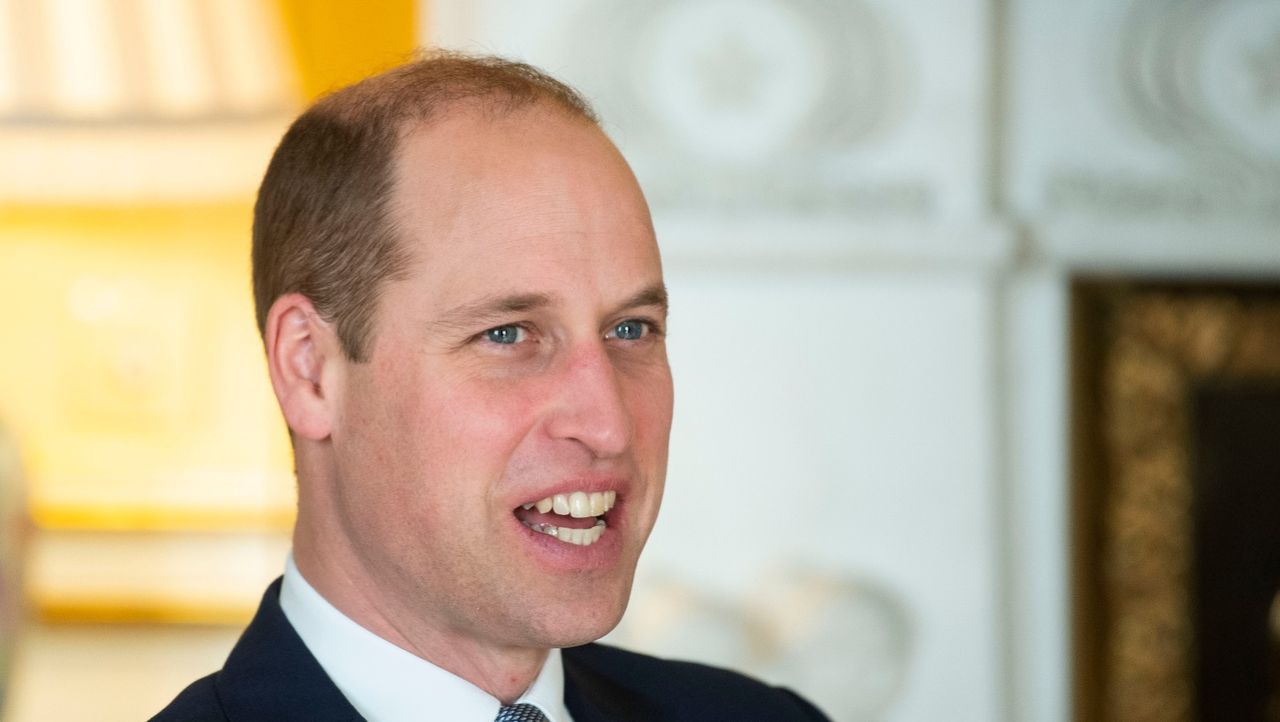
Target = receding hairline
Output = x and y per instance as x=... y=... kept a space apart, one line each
x=330 y=182
x=466 y=118
x=480 y=110
x=439 y=82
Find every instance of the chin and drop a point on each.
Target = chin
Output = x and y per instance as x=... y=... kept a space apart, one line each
x=579 y=624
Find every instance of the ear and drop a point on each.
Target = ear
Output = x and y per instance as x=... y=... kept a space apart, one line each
x=304 y=359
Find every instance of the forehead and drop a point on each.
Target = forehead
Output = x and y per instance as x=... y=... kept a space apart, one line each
x=530 y=195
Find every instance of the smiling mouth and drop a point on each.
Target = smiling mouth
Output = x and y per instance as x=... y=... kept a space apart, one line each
x=576 y=518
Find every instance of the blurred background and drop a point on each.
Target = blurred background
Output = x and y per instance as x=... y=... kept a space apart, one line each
x=976 y=335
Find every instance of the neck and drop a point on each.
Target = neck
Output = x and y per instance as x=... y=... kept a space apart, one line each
x=504 y=672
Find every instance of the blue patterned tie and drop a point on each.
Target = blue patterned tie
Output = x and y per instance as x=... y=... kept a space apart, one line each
x=522 y=712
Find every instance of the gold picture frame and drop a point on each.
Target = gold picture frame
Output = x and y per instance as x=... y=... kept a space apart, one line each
x=1139 y=351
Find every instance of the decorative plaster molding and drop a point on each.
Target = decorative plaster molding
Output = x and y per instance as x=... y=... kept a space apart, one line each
x=868 y=109
x=1204 y=79
x=778 y=242
x=739 y=81
x=1191 y=91
x=725 y=106
x=1159 y=245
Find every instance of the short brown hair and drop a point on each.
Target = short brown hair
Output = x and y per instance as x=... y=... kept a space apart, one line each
x=322 y=225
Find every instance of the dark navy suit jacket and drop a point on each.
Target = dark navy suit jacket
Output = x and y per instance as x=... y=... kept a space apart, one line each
x=270 y=675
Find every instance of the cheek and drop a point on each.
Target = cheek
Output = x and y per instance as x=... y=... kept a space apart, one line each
x=650 y=400
x=391 y=430
x=475 y=424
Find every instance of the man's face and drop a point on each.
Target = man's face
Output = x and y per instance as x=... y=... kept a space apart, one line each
x=521 y=358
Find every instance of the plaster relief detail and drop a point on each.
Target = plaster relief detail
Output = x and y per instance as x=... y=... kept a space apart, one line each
x=729 y=80
x=1204 y=78
x=751 y=103
x=1201 y=81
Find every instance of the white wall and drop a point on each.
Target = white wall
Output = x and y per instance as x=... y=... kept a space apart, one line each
x=871 y=213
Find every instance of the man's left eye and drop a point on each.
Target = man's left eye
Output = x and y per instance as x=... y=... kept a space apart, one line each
x=630 y=330
x=505 y=335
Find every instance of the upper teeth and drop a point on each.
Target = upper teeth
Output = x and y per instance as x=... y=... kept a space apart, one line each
x=579 y=504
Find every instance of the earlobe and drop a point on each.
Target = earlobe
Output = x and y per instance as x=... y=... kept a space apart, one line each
x=301 y=350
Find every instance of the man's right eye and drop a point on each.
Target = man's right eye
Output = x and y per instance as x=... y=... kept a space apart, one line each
x=506 y=335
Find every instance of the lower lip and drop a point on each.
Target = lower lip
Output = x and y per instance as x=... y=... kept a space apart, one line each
x=555 y=555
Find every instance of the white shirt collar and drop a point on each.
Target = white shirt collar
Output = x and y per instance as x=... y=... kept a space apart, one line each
x=388 y=684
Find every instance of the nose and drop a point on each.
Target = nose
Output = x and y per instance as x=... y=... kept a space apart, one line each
x=590 y=407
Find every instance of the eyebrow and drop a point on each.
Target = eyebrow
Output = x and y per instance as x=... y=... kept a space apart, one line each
x=468 y=315
x=655 y=295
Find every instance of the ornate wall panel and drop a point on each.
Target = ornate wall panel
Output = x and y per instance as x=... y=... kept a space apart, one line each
x=1147 y=111
x=859 y=111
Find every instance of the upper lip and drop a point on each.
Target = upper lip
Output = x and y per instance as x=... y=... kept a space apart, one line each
x=586 y=484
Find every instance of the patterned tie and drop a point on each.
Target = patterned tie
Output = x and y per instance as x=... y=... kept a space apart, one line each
x=522 y=712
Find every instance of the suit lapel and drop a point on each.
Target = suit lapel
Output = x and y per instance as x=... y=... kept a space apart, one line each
x=270 y=674
x=594 y=697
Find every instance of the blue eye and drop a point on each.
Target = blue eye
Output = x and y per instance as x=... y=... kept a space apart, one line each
x=505 y=335
x=630 y=330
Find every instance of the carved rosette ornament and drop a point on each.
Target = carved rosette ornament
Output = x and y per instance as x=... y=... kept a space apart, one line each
x=1204 y=79
x=1157 y=346
x=749 y=103
x=1194 y=90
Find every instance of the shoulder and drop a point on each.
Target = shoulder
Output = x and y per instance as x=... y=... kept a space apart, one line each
x=197 y=703
x=269 y=675
x=678 y=690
